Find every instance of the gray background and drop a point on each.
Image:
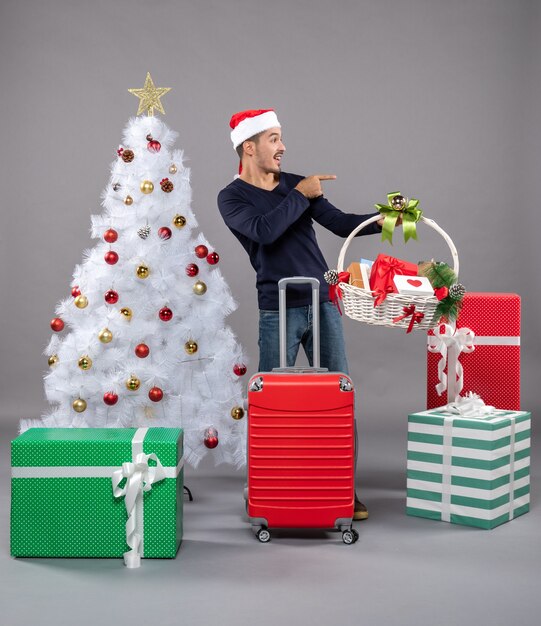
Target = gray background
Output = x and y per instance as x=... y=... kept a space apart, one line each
x=437 y=99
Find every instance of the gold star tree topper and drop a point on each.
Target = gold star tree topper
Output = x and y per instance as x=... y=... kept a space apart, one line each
x=149 y=96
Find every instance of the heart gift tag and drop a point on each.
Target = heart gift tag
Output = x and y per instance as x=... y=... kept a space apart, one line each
x=413 y=286
x=414 y=282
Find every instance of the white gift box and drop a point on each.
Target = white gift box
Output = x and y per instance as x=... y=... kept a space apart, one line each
x=413 y=285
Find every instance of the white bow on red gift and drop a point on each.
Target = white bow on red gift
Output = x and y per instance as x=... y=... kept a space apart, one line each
x=447 y=339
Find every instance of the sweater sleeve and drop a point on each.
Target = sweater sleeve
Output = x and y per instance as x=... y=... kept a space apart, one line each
x=338 y=222
x=264 y=228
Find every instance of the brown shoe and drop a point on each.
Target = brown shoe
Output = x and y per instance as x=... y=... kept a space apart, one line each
x=360 y=511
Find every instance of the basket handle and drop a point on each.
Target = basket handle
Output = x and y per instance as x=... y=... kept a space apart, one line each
x=375 y=218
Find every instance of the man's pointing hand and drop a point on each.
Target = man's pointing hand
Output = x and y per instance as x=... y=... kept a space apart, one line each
x=310 y=187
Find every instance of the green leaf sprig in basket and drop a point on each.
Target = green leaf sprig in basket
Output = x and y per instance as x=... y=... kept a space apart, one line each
x=449 y=292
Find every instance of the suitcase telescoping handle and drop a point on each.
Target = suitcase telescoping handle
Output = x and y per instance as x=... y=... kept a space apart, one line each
x=282 y=284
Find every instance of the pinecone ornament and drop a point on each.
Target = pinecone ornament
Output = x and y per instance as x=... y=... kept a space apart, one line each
x=166 y=185
x=457 y=291
x=127 y=156
x=144 y=232
x=331 y=276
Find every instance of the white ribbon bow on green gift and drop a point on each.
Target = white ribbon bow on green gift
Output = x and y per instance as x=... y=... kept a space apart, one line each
x=140 y=477
x=470 y=405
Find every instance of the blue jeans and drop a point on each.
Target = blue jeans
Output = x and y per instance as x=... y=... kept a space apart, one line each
x=299 y=332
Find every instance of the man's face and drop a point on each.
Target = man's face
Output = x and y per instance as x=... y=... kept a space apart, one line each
x=268 y=151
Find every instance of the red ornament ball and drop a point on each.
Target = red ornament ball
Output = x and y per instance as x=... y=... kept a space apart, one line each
x=239 y=369
x=111 y=296
x=192 y=269
x=213 y=258
x=164 y=233
x=154 y=145
x=142 y=350
x=111 y=257
x=165 y=314
x=57 y=324
x=201 y=251
x=210 y=438
x=110 y=235
x=155 y=394
x=75 y=291
x=211 y=442
x=110 y=398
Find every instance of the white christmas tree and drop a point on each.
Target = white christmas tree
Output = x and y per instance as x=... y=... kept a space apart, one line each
x=142 y=341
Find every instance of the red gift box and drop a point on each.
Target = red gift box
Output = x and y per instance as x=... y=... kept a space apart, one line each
x=488 y=330
x=381 y=275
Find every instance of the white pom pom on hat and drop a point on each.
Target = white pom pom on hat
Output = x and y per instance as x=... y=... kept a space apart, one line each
x=246 y=124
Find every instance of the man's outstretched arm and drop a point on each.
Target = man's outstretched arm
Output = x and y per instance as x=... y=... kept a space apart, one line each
x=265 y=228
x=338 y=222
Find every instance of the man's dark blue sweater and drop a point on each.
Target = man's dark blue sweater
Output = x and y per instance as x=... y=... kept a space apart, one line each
x=276 y=229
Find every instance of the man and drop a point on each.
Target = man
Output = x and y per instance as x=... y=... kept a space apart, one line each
x=272 y=213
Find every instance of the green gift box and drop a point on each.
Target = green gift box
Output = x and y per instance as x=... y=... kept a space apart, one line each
x=97 y=492
x=468 y=470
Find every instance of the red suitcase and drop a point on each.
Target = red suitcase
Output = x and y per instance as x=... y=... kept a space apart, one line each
x=301 y=442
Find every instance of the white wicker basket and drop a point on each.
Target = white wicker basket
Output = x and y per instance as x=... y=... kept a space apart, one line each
x=359 y=303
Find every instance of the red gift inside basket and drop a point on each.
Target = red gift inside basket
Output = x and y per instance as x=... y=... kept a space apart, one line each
x=384 y=269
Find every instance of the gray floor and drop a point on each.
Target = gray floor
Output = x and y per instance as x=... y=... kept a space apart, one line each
x=403 y=570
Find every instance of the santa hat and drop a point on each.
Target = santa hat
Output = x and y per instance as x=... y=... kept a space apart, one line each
x=246 y=124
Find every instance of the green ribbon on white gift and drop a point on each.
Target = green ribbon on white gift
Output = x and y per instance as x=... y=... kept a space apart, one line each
x=140 y=477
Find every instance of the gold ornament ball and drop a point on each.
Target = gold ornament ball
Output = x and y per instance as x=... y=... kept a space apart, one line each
x=147 y=186
x=79 y=405
x=237 y=413
x=133 y=383
x=398 y=203
x=53 y=360
x=128 y=200
x=190 y=346
x=179 y=221
x=142 y=271
x=199 y=288
x=126 y=313
x=172 y=169
x=85 y=362
x=105 y=335
x=81 y=302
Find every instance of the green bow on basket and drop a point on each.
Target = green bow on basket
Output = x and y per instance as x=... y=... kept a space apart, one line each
x=399 y=206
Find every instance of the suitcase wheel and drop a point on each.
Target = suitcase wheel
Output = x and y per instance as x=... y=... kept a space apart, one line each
x=350 y=536
x=263 y=535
